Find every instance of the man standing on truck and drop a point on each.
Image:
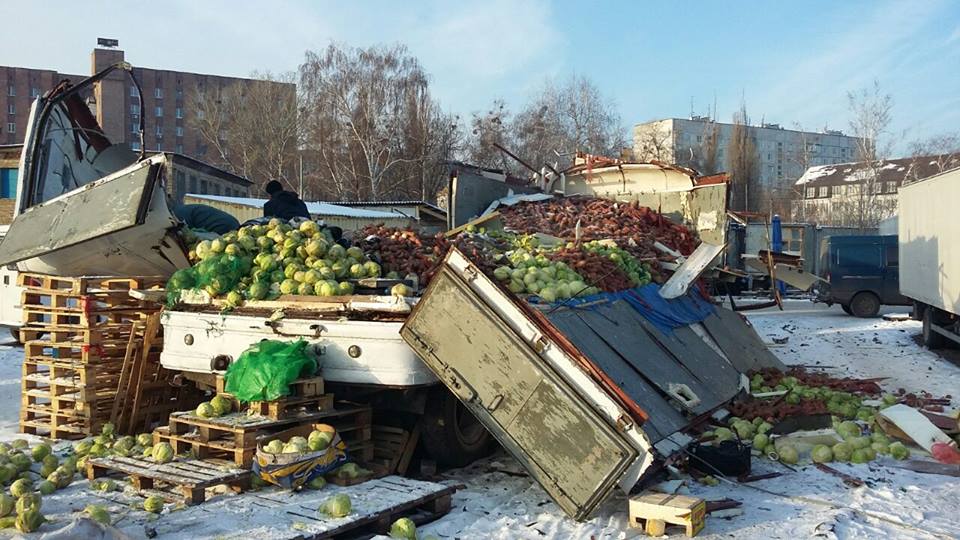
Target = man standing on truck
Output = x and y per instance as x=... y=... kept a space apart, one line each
x=283 y=204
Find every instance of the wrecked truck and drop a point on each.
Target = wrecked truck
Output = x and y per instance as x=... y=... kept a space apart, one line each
x=589 y=396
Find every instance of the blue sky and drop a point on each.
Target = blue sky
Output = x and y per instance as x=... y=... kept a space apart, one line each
x=792 y=62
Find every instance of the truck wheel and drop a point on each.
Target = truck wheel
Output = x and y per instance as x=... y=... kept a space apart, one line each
x=450 y=433
x=15 y=334
x=846 y=309
x=865 y=305
x=931 y=339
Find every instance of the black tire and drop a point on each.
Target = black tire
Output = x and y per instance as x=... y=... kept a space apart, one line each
x=846 y=309
x=865 y=305
x=15 y=334
x=932 y=340
x=450 y=433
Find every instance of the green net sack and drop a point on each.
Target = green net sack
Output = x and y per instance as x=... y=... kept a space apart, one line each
x=183 y=279
x=264 y=371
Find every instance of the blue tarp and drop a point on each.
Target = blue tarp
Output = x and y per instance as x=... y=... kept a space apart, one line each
x=664 y=314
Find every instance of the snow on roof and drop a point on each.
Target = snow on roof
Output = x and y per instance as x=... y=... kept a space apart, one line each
x=315 y=208
x=813 y=173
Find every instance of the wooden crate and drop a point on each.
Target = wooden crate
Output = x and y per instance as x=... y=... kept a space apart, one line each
x=654 y=511
x=184 y=480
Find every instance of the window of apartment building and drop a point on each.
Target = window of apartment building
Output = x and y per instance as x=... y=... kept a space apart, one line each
x=179 y=131
x=159 y=147
x=193 y=184
x=179 y=148
x=11 y=91
x=200 y=114
x=134 y=108
x=133 y=91
x=11 y=127
x=34 y=92
x=179 y=93
x=875 y=187
x=179 y=112
x=891 y=187
x=159 y=131
x=203 y=187
x=216 y=189
x=839 y=190
x=824 y=191
x=158 y=111
x=158 y=93
x=135 y=145
x=811 y=192
x=135 y=127
x=11 y=109
x=699 y=138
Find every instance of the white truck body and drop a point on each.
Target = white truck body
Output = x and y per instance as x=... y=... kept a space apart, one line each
x=193 y=339
x=927 y=227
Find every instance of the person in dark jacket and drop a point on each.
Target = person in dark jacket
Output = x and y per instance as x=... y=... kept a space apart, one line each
x=283 y=204
x=208 y=218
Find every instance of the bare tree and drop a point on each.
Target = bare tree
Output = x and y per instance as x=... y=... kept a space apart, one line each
x=942 y=151
x=566 y=117
x=743 y=165
x=371 y=125
x=653 y=142
x=870 y=112
x=486 y=130
x=253 y=128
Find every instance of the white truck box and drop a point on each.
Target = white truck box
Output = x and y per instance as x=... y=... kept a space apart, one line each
x=929 y=229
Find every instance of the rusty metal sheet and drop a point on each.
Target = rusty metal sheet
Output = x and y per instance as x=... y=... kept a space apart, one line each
x=566 y=445
x=739 y=342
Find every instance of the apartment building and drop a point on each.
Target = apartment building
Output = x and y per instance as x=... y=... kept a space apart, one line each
x=783 y=154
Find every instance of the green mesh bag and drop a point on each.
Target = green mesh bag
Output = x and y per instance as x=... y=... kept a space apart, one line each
x=264 y=371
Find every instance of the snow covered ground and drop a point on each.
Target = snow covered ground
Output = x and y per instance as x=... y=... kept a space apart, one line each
x=501 y=501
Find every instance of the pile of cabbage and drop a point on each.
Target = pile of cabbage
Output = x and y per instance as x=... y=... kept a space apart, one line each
x=316 y=441
x=531 y=268
x=260 y=262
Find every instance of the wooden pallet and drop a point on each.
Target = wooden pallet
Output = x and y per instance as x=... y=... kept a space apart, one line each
x=104 y=336
x=290 y=406
x=653 y=512
x=377 y=504
x=393 y=448
x=71 y=319
x=86 y=284
x=145 y=393
x=236 y=436
x=73 y=353
x=306 y=387
x=185 y=480
x=46 y=422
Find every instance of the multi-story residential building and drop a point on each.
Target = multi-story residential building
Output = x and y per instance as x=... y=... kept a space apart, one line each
x=167 y=108
x=703 y=144
x=854 y=194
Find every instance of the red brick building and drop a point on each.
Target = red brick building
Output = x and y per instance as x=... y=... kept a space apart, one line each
x=167 y=107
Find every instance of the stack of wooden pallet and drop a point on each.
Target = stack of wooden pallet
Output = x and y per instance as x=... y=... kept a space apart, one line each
x=76 y=333
x=235 y=436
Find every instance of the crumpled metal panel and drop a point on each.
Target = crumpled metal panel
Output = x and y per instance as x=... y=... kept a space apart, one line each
x=740 y=342
x=650 y=365
x=119 y=225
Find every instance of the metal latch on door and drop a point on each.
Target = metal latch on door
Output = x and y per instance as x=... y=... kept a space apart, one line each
x=459 y=386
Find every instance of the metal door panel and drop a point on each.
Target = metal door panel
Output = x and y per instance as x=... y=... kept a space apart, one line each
x=570 y=449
